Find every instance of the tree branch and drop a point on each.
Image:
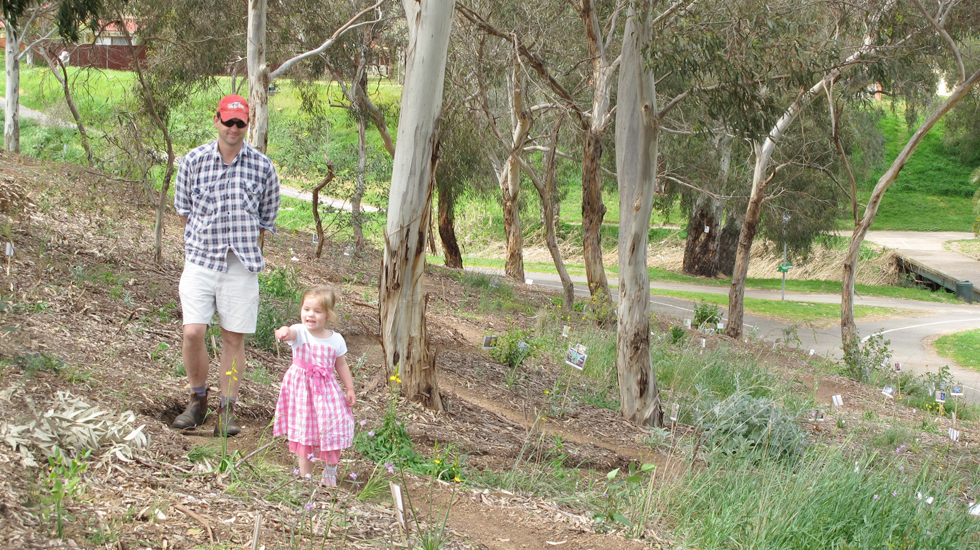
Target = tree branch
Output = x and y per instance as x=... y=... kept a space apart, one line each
x=329 y=42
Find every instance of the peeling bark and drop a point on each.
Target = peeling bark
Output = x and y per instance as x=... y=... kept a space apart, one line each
x=404 y=337
x=637 y=143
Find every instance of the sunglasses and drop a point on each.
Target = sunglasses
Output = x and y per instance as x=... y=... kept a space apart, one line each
x=234 y=122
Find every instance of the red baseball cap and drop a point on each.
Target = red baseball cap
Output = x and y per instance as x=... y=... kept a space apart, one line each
x=233 y=106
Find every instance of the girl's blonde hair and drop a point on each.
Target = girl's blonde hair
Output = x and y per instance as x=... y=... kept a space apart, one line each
x=326 y=297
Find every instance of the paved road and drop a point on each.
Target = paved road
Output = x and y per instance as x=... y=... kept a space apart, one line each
x=910 y=333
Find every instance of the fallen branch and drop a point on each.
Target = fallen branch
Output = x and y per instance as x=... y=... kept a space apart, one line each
x=202 y=521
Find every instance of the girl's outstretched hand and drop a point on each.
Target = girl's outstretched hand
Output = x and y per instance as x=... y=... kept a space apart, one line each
x=282 y=333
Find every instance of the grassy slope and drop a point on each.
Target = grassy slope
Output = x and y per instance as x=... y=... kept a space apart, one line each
x=932 y=192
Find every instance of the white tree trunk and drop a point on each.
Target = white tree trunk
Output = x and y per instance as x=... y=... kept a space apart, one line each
x=11 y=119
x=637 y=141
x=402 y=304
x=510 y=181
x=849 y=336
x=258 y=76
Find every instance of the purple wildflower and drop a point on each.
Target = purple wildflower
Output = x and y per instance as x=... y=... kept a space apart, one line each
x=309 y=505
x=353 y=475
x=875 y=497
x=371 y=433
x=390 y=467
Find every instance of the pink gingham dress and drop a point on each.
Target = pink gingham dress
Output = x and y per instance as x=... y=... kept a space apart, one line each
x=312 y=411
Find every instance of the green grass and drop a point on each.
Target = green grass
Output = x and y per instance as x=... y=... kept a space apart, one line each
x=961 y=347
x=661 y=275
x=834 y=505
x=788 y=310
x=932 y=192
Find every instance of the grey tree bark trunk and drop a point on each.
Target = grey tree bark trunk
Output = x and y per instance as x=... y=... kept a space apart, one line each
x=510 y=182
x=11 y=120
x=637 y=142
x=404 y=337
x=258 y=76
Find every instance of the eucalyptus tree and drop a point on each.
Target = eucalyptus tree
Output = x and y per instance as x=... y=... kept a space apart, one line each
x=499 y=88
x=846 y=35
x=260 y=75
x=579 y=75
x=950 y=23
x=19 y=18
x=349 y=62
x=684 y=54
x=404 y=337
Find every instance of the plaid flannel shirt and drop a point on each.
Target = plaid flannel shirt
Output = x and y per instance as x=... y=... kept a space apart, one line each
x=226 y=206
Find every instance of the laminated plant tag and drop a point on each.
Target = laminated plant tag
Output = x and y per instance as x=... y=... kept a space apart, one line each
x=888 y=392
x=564 y=331
x=812 y=352
x=940 y=396
x=10 y=249
x=675 y=411
x=703 y=342
x=811 y=415
x=954 y=434
x=957 y=391
x=820 y=416
x=687 y=323
x=838 y=400
x=528 y=282
x=575 y=358
x=898 y=367
x=490 y=341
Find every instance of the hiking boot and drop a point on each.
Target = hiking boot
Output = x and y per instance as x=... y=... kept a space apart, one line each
x=226 y=421
x=194 y=414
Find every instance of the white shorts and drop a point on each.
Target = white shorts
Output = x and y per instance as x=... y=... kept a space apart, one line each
x=234 y=293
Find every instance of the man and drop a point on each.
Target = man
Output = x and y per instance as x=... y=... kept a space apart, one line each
x=227 y=193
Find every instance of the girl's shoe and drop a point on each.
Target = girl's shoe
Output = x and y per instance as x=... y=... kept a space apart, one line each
x=329 y=476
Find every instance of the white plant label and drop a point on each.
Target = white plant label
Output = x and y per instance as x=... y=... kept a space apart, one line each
x=396 y=497
x=957 y=391
x=707 y=229
x=940 y=396
x=898 y=367
x=564 y=331
x=954 y=434
x=687 y=323
x=838 y=400
x=10 y=249
x=888 y=392
x=703 y=342
x=812 y=352
x=675 y=411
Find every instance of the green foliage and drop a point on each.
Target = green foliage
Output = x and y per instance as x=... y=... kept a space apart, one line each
x=677 y=334
x=626 y=501
x=746 y=427
x=281 y=283
x=63 y=481
x=33 y=363
x=513 y=347
x=869 y=362
x=706 y=314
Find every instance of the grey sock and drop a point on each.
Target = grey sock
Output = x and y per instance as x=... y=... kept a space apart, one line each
x=201 y=391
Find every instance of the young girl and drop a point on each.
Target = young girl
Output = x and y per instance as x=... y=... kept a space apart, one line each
x=312 y=412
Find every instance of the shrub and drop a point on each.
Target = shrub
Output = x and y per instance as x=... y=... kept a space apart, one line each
x=745 y=426
x=514 y=347
x=706 y=313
